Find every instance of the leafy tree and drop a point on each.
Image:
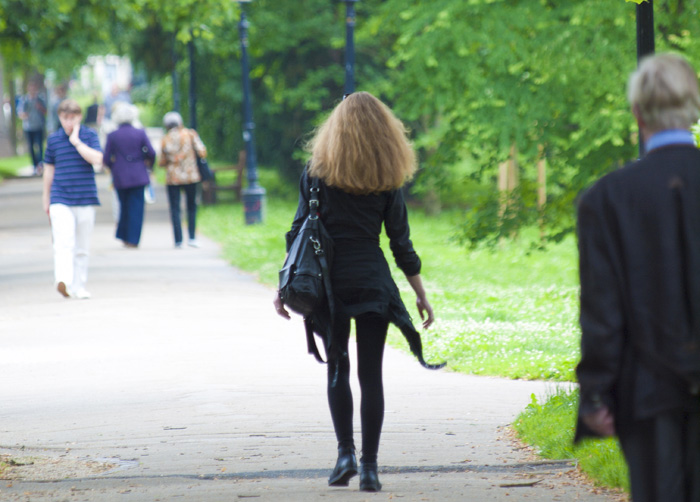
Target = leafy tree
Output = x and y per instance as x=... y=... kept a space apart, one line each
x=477 y=78
x=60 y=34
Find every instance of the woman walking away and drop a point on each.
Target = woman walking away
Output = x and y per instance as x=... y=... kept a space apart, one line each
x=129 y=155
x=362 y=158
x=178 y=156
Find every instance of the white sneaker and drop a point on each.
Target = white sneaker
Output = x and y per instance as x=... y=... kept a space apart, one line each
x=193 y=243
x=81 y=294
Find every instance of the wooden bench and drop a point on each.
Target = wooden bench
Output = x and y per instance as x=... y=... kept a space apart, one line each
x=211 y=188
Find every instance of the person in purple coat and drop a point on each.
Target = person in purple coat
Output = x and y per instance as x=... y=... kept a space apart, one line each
x=129 y=156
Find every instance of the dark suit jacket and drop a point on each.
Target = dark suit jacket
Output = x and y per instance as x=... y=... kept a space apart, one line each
x=639 y=248
x=126 y=153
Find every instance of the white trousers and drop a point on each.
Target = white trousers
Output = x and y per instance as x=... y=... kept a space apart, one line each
x=71 y=227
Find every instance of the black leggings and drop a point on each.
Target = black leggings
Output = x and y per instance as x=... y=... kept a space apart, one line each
x=370 y=333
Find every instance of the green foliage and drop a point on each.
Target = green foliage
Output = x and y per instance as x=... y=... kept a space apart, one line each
x=549 y=426
x=60 y=34
x=475 y=78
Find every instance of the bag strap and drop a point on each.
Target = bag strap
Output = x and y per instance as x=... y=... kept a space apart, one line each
x=314 y=214
x=314 y=206
x=194 y=148
x=311 y=341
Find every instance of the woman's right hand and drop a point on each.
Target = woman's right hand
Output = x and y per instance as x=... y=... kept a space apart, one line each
x=279 y=307
x=424 y=308
x=425 y=311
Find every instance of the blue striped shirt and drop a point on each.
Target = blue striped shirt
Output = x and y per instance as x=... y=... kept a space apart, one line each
x=74 y=178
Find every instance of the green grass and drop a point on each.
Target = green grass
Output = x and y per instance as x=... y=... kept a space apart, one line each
x=550 y=426
x=9 y=166
x=509 y=312
x=505 y=312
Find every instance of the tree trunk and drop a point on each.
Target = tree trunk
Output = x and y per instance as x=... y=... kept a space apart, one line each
x=508 y=177
x=541 y=186
x=508 y=180
x=6 y=148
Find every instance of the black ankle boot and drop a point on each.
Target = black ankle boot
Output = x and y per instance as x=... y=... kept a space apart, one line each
x=369 y=479
x=345 y=467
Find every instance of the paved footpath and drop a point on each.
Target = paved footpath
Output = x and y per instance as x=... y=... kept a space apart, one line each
x=177 y=381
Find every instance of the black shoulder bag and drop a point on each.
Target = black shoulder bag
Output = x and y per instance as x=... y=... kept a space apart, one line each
x=304 y=280
x=205 y=172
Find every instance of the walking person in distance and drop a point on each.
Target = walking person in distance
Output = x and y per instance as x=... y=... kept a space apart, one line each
x=33 y=115
x=178 y=157
x=129 y=155
x=70 y=196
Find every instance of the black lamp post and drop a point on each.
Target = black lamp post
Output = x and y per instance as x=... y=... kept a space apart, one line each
x=176 y=87
x=349 y=46
x=645 y=41
x=254 y=194
x=193 y=88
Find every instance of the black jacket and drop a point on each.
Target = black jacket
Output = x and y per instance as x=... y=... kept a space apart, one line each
x=639 y=249
x=360 y=275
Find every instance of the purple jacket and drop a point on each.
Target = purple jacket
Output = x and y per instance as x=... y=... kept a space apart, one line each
x=125 y=154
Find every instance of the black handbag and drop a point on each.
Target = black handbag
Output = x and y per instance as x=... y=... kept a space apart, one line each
x=304 y=280
x=205 y=171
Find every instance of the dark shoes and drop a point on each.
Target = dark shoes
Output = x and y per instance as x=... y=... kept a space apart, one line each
x=369 y=479
x=345 y=467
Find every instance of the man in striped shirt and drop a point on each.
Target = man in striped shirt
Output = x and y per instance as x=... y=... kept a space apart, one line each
x=70 y=197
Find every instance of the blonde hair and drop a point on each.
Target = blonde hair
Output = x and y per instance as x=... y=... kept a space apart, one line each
x=664 y=91
x=362 y=147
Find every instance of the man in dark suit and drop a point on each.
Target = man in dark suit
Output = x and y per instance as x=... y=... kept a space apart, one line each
x=639 y=246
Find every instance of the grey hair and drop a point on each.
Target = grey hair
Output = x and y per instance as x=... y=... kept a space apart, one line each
x=171 y=120
x=664 y=92
x=124 y=113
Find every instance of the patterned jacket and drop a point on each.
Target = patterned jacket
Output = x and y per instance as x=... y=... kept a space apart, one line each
x=178 y=156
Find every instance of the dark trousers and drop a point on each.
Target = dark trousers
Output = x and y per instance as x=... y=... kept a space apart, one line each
x=35 y=144
x=370 y=333
x=131 y=209
x=663 y=455
x=175 y=216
